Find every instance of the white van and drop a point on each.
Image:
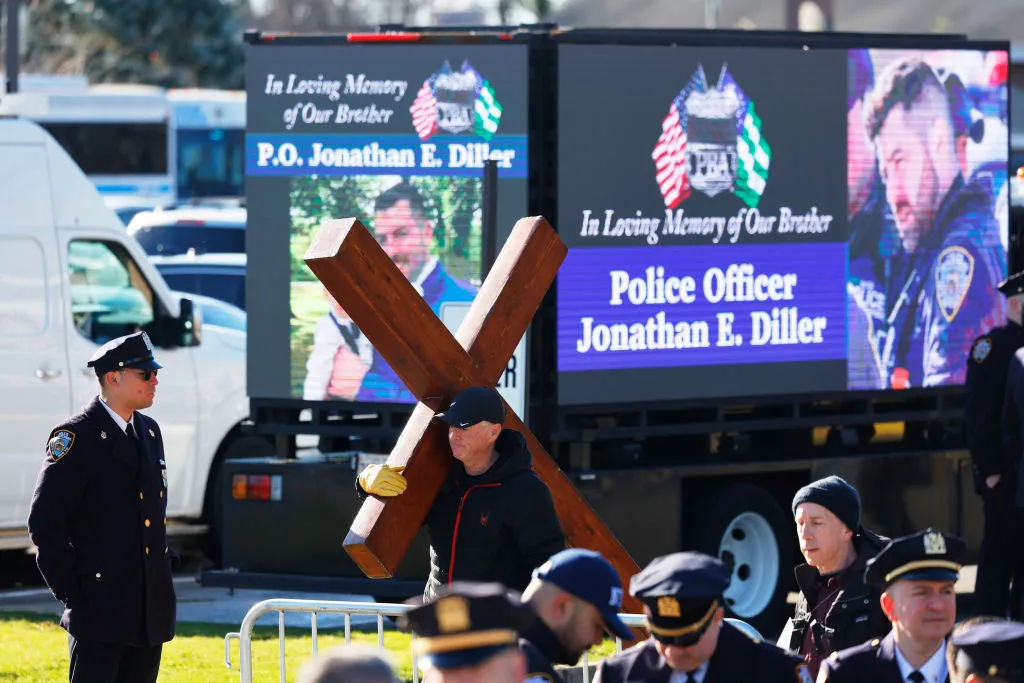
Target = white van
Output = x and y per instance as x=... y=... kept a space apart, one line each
x=70 y=280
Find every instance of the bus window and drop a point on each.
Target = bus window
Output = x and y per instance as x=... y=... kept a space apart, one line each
x=114 y=148
x=211 y=162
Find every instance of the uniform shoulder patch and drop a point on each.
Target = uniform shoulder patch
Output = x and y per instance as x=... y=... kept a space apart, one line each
x=803 y=674
x=981 y=348
x=60 y=444
x=954 y=270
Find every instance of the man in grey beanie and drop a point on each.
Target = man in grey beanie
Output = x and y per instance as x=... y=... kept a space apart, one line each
x=835 y=610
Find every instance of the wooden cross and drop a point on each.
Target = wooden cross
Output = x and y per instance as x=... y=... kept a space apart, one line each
x=435 y=366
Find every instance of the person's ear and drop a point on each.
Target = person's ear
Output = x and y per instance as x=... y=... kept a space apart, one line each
x=888 y=605
x=561 y=606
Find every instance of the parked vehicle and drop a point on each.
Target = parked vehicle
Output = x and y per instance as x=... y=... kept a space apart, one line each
x=671 y=374
x=192 y=230
x=72 y=279
x=220 y=276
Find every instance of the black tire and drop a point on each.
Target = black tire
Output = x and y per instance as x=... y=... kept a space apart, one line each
x=248 y=446
x=744 y=526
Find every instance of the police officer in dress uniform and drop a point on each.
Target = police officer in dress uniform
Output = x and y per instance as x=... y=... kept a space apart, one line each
x=682 y=596
x=994 y=475
x=1013 y=455
x=942 y=290
x=577 y=596
x=989 y=651
x=97 y=519
x=468 y=633
x=919 y=572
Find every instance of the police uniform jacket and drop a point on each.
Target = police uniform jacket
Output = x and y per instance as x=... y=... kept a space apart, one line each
x=872 y=661
x=856 y=613
x=1013 y=424
x=737 y=659
x=945 y=294
x=97 y=518
x=987 y=366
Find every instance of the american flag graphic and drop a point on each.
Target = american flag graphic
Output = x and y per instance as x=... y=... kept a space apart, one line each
x=670 y=160
x=424 y=111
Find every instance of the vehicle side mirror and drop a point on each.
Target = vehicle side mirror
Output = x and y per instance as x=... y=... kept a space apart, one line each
x=188 y=330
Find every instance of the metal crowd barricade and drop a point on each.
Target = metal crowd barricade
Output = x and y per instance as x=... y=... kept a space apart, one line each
x=315 y=607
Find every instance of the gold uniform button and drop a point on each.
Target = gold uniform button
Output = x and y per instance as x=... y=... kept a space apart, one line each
x=147 y=522
x=161 y=494
x=147 y=550
x=166 y=548
x=98 y=576
x=140 y=495
x=165 y=521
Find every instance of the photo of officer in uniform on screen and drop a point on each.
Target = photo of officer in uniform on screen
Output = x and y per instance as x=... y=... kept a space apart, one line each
x=915 y=311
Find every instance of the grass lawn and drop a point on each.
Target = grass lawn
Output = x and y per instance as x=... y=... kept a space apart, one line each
x=35 y=650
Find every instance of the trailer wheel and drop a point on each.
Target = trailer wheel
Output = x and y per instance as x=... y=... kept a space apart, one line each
x=248 y=446
x=743 y=526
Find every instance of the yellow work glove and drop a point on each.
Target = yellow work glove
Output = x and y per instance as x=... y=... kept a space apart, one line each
x=383 y=480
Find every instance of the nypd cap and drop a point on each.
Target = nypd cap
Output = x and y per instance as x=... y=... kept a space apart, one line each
x=1013 y=285
x=928 y=555
x=466 y=624
x=130 y=351
x=681 y=593
x=993 y=649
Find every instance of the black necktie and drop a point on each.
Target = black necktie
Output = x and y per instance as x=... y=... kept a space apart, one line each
x=916 y=676
x=691 y=677
x=130 y=431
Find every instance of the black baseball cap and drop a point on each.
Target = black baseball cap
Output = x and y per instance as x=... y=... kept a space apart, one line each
x=473 y=405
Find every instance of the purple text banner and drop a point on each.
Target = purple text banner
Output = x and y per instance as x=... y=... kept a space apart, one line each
x=650 y=307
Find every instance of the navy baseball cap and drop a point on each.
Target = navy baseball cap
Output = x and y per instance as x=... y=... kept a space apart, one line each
x=473 y=405
x=591 y=578
x=129 y=351
x=466 y=624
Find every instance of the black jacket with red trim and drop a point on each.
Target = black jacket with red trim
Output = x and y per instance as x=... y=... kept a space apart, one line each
x=497 y=526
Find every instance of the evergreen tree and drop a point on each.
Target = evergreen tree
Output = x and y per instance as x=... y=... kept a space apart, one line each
x=184 y=43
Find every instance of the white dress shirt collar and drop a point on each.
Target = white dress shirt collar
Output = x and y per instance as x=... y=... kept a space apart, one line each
x=934 y=669
x=118 y=419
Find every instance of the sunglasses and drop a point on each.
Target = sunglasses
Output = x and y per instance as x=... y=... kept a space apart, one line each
x=146 y=375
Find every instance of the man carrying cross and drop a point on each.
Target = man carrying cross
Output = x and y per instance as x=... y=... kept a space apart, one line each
x=494 y=519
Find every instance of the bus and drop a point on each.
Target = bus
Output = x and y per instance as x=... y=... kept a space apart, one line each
x=120 y=135
x=210 y=133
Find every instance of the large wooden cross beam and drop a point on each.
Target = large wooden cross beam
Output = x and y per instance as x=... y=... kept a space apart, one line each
x=436 y=365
